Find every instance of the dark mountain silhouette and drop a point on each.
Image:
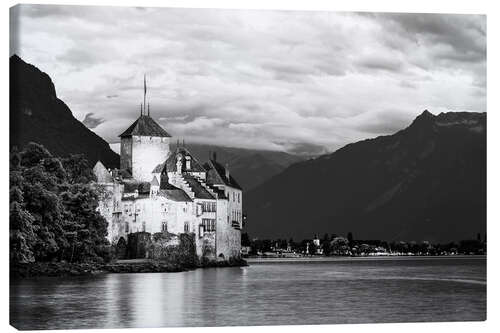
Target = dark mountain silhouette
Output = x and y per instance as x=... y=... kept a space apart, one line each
x=426 y=182
x=36 y=114
x=250 y=167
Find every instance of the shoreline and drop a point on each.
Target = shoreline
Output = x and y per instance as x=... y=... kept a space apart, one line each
x=257 y=260
x=59 y=269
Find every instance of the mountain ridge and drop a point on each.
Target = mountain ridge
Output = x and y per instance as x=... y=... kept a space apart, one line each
x=38 y=115
x=385 y=187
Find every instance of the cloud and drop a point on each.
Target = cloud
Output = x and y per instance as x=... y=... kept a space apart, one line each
x=381 y=63
x=307 y=149
x=92 y=122
x=280 y=80
x=78 y=57
x=384 y=122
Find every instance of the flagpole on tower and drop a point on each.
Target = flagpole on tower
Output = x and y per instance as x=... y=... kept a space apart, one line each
x=145 y=93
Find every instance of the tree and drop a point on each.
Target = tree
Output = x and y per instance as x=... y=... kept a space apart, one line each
x=78 y=169
x=53 y=209
x=339 y=246
x=312 y=248
x=470 y=246
x=245 y=240
x=350 y=238
x=326 y=245
x=33 y=154
x=84 y=225
x=21 y=234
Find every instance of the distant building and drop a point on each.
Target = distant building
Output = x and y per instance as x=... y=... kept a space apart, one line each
x=316 y=241
x=158 y=189
x=317 y=244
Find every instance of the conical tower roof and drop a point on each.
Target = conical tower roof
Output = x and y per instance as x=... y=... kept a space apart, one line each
x=145 y=126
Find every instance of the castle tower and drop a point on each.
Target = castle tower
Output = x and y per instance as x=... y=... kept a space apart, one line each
x=144 y=145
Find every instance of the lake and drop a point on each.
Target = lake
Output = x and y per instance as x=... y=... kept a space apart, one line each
x=344 y=290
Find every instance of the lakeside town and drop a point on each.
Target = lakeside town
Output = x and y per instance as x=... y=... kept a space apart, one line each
x=336 y=245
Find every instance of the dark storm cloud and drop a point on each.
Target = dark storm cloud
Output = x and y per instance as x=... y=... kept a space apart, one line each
x=294 y=81
x=463 y=32
x=457 y=37
x=92 y=122
x=307 y=149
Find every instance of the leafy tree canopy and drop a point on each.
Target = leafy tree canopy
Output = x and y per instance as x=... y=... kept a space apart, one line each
x=53 y=208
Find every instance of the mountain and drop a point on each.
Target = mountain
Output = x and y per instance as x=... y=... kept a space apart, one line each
x=36 y=114
x=426 y=182
x=249 y=167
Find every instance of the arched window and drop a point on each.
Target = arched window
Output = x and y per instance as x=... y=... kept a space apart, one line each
x=186 y=227
x=164 y=226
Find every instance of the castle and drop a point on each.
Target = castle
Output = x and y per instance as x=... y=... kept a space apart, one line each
x=160 y=190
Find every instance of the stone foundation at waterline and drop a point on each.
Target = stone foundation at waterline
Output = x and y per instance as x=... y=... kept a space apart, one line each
x=164 y=246
x=156 y=253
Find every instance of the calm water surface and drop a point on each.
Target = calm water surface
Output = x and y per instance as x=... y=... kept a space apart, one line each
x=272 y=293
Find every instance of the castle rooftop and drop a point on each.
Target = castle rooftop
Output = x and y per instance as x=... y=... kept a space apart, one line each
x=145 y=126
x=217 y=175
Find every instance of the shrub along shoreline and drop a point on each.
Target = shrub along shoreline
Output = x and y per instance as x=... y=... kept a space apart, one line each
x=59 y=269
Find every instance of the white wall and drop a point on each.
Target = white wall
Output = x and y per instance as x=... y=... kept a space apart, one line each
x=147 y=153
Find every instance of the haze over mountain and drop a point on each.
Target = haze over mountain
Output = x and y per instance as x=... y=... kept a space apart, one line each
x=426 y=182
x=36 y=114
x=250 y=167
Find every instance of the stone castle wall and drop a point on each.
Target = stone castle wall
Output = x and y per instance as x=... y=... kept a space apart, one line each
x=226 y=234
x=176 y=249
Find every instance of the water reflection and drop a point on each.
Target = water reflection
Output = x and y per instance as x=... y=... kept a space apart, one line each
x=263 y=294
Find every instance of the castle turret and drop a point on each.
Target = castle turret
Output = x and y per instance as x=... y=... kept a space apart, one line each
x=144 y=145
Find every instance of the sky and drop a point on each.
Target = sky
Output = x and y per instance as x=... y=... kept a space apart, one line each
x=298 y=81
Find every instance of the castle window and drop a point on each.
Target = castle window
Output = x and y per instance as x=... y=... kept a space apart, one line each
x=164 y=226
x=186 y=227
x=208 y=206
x=208 y=225
x=126 y=227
